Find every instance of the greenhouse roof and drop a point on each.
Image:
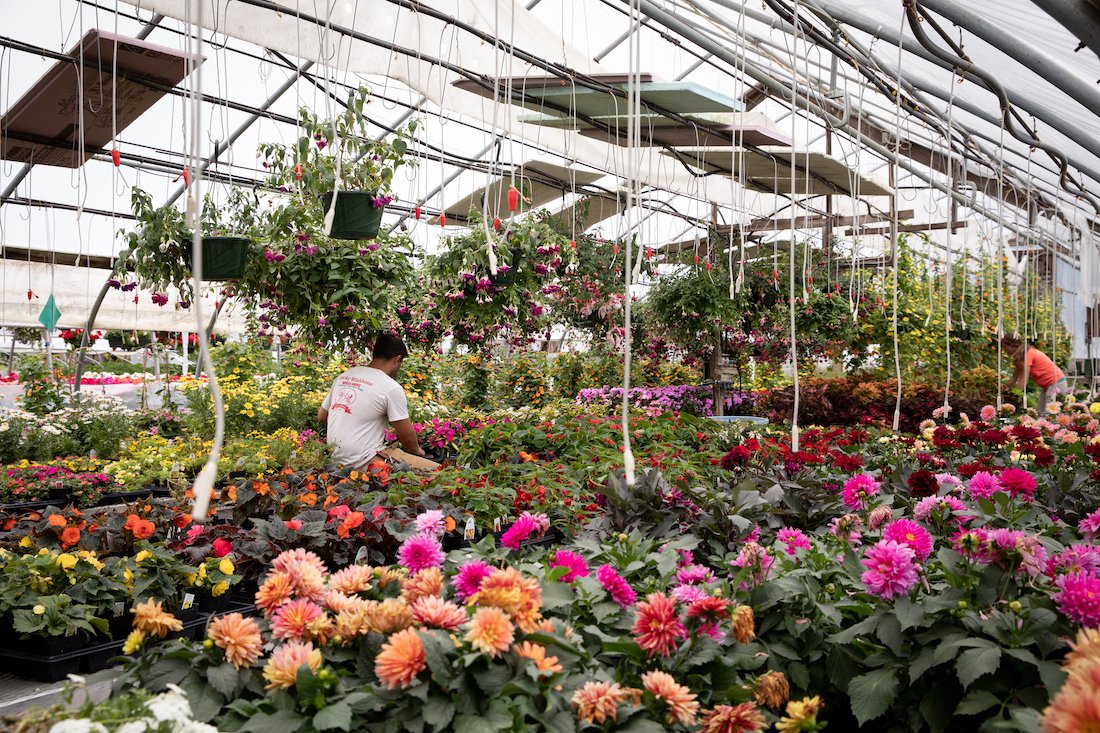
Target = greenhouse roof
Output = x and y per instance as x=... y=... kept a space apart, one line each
x=726 y=68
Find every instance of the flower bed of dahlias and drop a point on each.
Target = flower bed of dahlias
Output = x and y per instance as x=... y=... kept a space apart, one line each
x=923 y=582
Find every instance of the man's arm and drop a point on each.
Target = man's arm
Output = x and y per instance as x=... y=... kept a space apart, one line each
x=407 y=436
x=322 y=416
x=1019 y=374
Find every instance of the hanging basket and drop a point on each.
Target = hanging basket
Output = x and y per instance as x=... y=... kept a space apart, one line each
x=223 y=257
x=356 y=216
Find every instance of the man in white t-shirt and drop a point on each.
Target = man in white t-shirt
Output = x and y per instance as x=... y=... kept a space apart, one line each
x=362 y=402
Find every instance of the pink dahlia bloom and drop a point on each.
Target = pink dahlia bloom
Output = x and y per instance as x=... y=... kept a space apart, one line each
x=688 y=593
x=1075 y=559
x=988 y=413
x=468 y=579
x=419 y=552
x=1078 y=598
x=891 y=569
x=431 y=522
x=858 y=489
x=941 y=509
x=616 y=586
x=1018 y=482
x=520 y=530
x=694 y=574
x=983 y=485
x=910 y=534
x=793 y=540
x=1090 y=525
x=576 y=565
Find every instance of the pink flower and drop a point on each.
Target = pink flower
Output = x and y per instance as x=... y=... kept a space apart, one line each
x=858 y=489
x=793 y=540
x=756 y=560
x=910 y=534
x=576 y=565
x=221 y=547
x=688 y=593
x=520 y=530
x=988 y=413
x=983 y=485
x=891 y=570
x=693 y=574
x=431 y=522
x=941 y=508
x=468 y=579
x=616 y=586
x=879 y=516
x=1078 y=598
x=293 y=620
x=419 y=552
x=1090 y=525
x=1075 y=559
x=1017 y=481
x=294 y=524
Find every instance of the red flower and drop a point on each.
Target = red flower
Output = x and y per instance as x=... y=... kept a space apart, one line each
x=848 y=463
x=922 y=482
x=295 y=524
x=222 y=547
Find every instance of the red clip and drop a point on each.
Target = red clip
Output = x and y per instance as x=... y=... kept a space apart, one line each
x=496 y=223
x=649 y=253
x=30 y=294
x=116 y=157
x=135 y=300
x=186 y=177
x=708 y=267
x=513 y=198
x=298 y=172
x=810 y=278
x=615 y=249
x=573 y=243
x=442 y=220
x=775 y=276
x=697 y=259
x=416 y=213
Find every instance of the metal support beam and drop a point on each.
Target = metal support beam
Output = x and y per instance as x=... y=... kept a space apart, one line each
x=1080 y=18
x=446 y=182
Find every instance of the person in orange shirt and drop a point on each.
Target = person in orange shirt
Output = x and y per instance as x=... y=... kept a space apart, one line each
x=1029 y=362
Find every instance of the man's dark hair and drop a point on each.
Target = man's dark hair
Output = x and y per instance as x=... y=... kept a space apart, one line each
x=387 y=346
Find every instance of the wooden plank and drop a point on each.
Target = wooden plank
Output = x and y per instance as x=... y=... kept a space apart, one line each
x=906 y=228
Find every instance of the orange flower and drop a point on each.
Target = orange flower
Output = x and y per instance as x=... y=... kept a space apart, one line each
x=277 y=589
x=428 y=582
x=597 y=702
x=182 y=520
x=151 y=618
x=537 y=654
x=519 y=597
x=744 y=624
x=282 y=668
x=803 y=714
x=143 y=529
x=231 y=492
x=56 y=520
x=438 y=613
x=449 y=523
x=352 y=579
x=308 y=499
x=490 y=631
x=401 y=660
x=1085 y=650
x=657 y=628
x=391 y=615
x=681 y=702
x=261 y=488
x=70 y=536
x=239 y=637
x=732 y=719
x=772 y=690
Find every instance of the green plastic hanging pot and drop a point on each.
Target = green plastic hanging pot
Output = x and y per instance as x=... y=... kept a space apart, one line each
x=356 y=216
x=223 y=257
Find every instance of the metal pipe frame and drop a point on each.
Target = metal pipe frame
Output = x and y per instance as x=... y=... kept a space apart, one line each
x=1079 y=17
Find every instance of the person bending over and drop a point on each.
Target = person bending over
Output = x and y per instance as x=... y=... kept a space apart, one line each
x=362 y=402
x=1029 y=362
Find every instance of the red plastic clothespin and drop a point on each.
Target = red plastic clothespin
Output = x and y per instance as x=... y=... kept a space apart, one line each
x=649 y=253
x=615 y=249
x=697 y=259
x=775 y=276
x=186 y=177
x=298 y=172
x=573 y=243
x=810 y=278
x=442 y=220
x=416 y=213
x=513 y=198
x=708 y=267
x=116 y=157
x=135 y=300
x=30 y=294
x=496 y=223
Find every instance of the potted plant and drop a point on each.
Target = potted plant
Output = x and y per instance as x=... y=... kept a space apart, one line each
x=338 y=159
x=27 y=334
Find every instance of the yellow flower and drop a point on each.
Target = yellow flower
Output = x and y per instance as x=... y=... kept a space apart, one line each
x=202 y=571
x=219 y=588
x=133 y=642
x=66 y=561
x=39 y=609
x=143 y=555
x=192 y=578
x=26 y=542
x=226 y=566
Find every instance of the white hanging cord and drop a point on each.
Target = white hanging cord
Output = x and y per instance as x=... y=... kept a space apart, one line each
x=204 y=483
x=950 y=160
x=895 y=245
x=790 y=293
x=634 y=130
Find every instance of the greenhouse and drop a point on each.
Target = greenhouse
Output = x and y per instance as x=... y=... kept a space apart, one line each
x=702 y=366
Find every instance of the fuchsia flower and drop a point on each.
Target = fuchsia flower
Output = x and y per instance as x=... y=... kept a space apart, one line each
x=520 y=530
x=578 y=568
x=1090 y=525
x=694 y=574
x=1078 y=598
x=983 y=485
x=891 y=570
x=941 y=508
x=616 y=586
x=910 y=534
x=419 y=552
x=754 y=558
x=858 y=489
x=1075 y=559
x=685 y=593
x=793 y=540
x=468 y=579
x=1017 y=482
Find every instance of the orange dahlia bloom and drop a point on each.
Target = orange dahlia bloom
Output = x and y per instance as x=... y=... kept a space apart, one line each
x=238 y=637
x=657 y=627
x=391 y=615
x=70 y=536
x=1084 y=650
x=428 y=582
x=681 y=702
x=349 y=624
x=151 y=618
x=352 y=579
x=516 y=595
x=56 y=520
x=401 y=659
x=1076 y=707
x=597 y=702
x=732 y=719
x=744 y=624
x=277 y=589
x=435 y=612
x=490 y=631
x=282 y=668
x=772 y=690
x=537 y=654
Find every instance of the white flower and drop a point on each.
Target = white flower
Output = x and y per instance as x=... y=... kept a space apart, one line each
x=193 y=726
x=170 y=706
x=135 y=726
x=77 y=725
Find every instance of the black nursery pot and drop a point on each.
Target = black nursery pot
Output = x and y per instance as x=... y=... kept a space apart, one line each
x=356 y=216
x=223 y=257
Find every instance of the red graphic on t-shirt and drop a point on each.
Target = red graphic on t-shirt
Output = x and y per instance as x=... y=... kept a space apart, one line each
x=343 y=400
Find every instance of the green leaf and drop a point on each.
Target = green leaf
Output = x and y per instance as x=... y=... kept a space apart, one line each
x=223 y=678
x=923 y=662
x=705 y=650
x=977 y=701
x=871 y=694
x=469 y=724
x=336 y=716
x=281 y=721
x=556 y=595
x=889 y=630
x=866 y=626
x=438 y=713
x=643 y=725
x=909 y=614
x=205 y=701
x=493 y=679
x=973 y=663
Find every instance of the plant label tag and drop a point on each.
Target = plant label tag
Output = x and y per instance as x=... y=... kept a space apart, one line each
x=120 y=608
x=361 y=556
x=468 y=532
x=188 y=601
x=496 y=524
